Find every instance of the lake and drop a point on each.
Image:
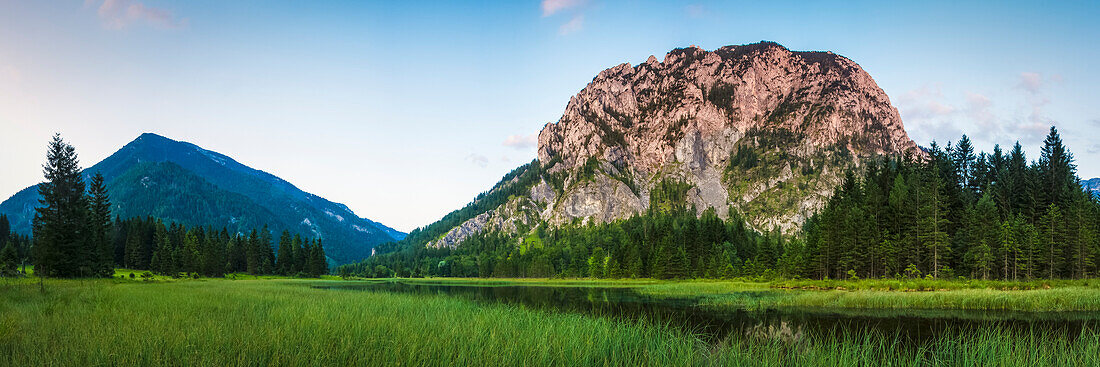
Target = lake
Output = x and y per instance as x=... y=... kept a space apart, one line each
x=909 y=328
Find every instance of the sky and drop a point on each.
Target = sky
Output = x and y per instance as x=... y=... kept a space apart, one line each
x=405 y=110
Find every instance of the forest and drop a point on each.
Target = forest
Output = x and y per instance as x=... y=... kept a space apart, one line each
x=75 y=236
x=950 y=213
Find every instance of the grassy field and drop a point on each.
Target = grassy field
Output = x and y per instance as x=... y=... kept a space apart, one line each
x=287 y=323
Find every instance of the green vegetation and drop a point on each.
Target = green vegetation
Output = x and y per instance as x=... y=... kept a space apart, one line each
x=517 y=182
x=269 y=322
x=957 y=214
x=902 y=295
x=76 y=237
x=952 y=215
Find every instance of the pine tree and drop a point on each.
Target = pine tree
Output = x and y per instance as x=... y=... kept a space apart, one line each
x=62 y=248
x=933 y=220
x=1052 y=239
x=99 y=226
x=319 y=264
x=9 y=260
x=1057 y=172
x=5 y=228
x=285 y=257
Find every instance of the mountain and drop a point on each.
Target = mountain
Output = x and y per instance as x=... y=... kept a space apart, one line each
x=181 y=182
x=1093 y=185
x=755 y=129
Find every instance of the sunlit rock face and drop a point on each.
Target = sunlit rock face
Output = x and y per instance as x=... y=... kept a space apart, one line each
x=755 y=129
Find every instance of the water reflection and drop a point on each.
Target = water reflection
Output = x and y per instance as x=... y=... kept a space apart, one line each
x=717 y=326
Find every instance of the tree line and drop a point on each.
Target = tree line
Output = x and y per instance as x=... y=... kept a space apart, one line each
x=951 y=213
x=75 y=236
x=174 y=249
x=14 y=249
x=958 y=213
x=669 y=240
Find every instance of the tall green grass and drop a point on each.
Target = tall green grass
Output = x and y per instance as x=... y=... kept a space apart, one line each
x=288 y=323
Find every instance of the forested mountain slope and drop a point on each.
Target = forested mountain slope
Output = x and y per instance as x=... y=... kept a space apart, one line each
x=181 y=182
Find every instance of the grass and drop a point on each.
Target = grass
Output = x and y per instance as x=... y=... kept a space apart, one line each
x=917 y=294
x=220 y=322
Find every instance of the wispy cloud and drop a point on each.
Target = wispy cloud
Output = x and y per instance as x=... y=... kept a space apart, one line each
x=923 y=103
x=1035 y=86
x=478 y=160
x=119 y=14
x=1030 y=81
x=550 y=7
x=522 y=141
x=695 y=11
x=572 y=26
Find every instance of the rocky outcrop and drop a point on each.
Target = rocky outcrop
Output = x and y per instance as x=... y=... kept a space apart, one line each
x=756 y=129
x=805 y=115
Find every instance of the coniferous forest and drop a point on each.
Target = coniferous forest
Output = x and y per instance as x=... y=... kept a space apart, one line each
x=75 y=236
x=954 y=212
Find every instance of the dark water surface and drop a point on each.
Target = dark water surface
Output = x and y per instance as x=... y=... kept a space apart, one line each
x=717 y=325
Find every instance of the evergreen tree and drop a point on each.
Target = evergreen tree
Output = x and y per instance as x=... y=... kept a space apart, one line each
x=319 y=265
x=9 y=260
x=285 y=257
x=99 y=227
x=1057 y=172
x=5 y=228
x=62 y=247
x=933 y=220
x=1052 y=241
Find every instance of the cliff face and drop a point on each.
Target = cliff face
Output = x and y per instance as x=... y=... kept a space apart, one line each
x=757 y=129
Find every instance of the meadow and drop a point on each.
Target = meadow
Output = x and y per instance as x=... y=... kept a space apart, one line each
x=263 y=322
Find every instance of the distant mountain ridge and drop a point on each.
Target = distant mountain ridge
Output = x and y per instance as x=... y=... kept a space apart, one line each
x=182 y=182
x=1093 y=185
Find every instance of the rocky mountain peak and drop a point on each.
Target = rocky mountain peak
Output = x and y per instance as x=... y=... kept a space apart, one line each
x=758 y=130
x=635 y=114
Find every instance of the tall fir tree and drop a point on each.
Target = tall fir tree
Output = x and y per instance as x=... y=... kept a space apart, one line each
x=99 y=226
x=60 y=225
x=933 y=219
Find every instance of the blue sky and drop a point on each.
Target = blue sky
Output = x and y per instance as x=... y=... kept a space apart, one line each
x=405 y=110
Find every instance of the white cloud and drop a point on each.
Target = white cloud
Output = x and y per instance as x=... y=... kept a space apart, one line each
x=574 y=25
x=550 y=7
x=478 y=160
x=119 y=14
x=522 y=141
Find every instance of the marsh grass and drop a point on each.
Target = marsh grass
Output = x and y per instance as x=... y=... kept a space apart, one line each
x=286 y=323
x=222 y=322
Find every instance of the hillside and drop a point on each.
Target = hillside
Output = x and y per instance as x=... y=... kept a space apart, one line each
x=181 y=182
x=758 y=130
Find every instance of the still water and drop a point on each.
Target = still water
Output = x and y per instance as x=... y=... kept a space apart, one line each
x=717 y=325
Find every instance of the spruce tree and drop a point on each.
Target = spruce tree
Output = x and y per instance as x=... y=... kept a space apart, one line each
x=320 y=264
x=933 y=220
x=1051 y=228
x=285 y=256
x=5 y=228
x=1057 y=172
x=60 y=225
x=99 y=226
